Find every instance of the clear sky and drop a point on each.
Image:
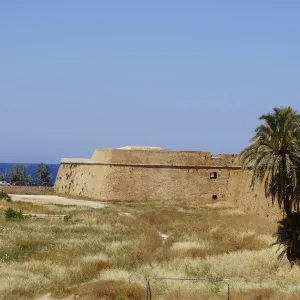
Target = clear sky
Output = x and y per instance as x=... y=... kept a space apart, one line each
x=190 y=75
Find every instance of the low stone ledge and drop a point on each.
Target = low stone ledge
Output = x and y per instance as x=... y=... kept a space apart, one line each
x=28 y=190
x=45 y=216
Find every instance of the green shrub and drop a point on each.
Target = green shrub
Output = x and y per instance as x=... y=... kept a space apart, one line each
x=10 y=213
x=122 y=296
x=4 y=196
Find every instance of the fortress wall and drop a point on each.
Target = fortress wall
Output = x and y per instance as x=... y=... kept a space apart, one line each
x=131 y=183
x=128 y=178
x=148 y=175
x=74 y=179
x=250 y=199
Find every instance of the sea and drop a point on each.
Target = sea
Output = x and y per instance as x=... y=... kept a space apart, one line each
x=31 y=168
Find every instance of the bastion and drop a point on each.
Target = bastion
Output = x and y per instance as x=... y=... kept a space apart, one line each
x=146 y=174
x=141 y=174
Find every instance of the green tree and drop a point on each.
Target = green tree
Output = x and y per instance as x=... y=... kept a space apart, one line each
x=42 y=173
x=3 y=177
x=28 y=178
x=274 y=156
x=19 y=173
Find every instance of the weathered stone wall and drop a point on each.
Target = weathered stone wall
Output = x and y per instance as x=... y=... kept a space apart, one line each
x=251 y=199
x=139 y=175
x=129 y=183
x=28 y=190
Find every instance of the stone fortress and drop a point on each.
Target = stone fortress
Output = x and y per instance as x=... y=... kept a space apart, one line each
x=141 y=174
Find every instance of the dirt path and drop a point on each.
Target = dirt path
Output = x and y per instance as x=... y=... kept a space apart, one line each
x=48 y=297
x=45 y=199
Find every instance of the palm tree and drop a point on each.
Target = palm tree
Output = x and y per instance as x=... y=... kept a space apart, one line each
x=274 y=156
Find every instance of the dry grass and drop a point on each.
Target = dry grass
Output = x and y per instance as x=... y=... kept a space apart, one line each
x=108 y=253
x=110 y=289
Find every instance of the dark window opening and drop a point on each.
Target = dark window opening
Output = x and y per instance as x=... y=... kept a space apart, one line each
x=213 y=175
x=214 y=197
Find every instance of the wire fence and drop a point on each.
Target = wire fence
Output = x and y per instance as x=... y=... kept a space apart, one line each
x=148 y=288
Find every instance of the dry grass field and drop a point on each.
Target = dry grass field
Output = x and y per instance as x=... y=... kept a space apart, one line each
x=108 y=253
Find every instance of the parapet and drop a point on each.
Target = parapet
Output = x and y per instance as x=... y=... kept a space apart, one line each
x=141 y=148
x=75 y=161
x=155 y=156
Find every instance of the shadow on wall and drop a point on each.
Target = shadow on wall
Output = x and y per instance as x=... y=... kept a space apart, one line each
x=250 y=199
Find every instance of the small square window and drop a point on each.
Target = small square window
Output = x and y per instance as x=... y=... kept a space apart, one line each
x=214 y=197
x=213 y=175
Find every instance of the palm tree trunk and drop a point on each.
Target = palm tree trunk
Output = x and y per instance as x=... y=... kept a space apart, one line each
x=292 y=218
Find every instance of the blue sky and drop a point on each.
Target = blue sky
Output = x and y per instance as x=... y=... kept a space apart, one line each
x=190 y=75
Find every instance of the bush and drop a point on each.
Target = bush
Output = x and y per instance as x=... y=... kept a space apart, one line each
x=5 y=196
x=10 y=213
x=122 y=296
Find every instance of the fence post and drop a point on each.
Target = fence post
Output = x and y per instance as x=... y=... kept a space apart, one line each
x=228 y=292
x=148 y=290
